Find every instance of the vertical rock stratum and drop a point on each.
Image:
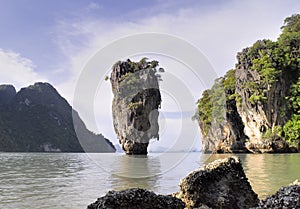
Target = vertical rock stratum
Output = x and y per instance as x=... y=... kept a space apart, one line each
x=135 y=103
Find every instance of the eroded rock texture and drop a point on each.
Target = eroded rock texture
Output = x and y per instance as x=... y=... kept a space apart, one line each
x=135 y=104
x=136 y=198
x=285 y=197
x=220 y=184
x=262 y=115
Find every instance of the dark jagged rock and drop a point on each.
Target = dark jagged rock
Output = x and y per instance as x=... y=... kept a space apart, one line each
x=135 y=104
x=38 y=119
x=284 y=198
x=136 y=198
x=220 y=184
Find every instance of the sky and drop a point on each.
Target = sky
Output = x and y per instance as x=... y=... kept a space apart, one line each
x=53 y=41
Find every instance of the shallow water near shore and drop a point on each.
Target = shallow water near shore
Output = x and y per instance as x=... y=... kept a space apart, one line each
x=74 y=180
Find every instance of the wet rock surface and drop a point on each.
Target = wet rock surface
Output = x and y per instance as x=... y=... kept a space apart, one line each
x=284 y=198
x=136 y=199
x=135 y=104
x=220 y=184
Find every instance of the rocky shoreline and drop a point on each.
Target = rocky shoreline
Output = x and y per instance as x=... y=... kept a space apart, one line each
x=220 y=184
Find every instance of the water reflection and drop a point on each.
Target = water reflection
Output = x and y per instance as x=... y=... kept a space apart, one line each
x=135 y=171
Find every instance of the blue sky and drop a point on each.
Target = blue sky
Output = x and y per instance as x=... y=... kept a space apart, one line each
x=31 y=27
x=52 y=40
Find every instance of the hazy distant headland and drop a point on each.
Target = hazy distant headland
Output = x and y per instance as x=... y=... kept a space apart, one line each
x=38 y=119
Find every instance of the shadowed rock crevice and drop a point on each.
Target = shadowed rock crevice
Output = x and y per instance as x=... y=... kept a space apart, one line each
x=135 y=104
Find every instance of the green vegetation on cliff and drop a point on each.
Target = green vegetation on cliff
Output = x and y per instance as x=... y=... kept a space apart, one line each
x=273 y=70
x=212 y=104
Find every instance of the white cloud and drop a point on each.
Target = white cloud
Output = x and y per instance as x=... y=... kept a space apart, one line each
x=17 y=70
x=219 y=33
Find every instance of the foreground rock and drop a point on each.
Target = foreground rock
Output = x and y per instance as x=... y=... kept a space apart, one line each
x=285 y=197
x=220 y=184
x=135 y=104
x=136 y=199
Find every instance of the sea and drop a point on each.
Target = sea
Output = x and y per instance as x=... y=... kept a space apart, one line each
x=74 y=180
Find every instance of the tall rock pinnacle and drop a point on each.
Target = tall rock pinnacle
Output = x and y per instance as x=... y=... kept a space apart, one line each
x=135 y=104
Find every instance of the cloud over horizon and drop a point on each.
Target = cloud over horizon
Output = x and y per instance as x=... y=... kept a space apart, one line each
x=17 y=70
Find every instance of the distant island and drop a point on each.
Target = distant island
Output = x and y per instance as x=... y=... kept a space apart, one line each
x=38 y=119
x=259 y=111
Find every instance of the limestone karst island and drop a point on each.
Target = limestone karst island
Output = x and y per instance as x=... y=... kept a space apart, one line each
x=135 y=104
x=121 y=143
x=255 y=107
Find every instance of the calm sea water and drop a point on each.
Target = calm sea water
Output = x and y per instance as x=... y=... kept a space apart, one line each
x=72 y=180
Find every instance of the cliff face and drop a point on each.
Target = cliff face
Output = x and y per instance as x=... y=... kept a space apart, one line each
x=261 y=98
x=221 y=127
x=38 y=119
x=225 y=136
x=135 y=104
x=269 y=111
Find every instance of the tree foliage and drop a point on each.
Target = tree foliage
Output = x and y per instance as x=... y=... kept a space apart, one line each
x=212 y=105
x=292 y=130
x=291 y=24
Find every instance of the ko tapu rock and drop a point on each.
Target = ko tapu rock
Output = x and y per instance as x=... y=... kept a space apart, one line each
x=135 y=104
